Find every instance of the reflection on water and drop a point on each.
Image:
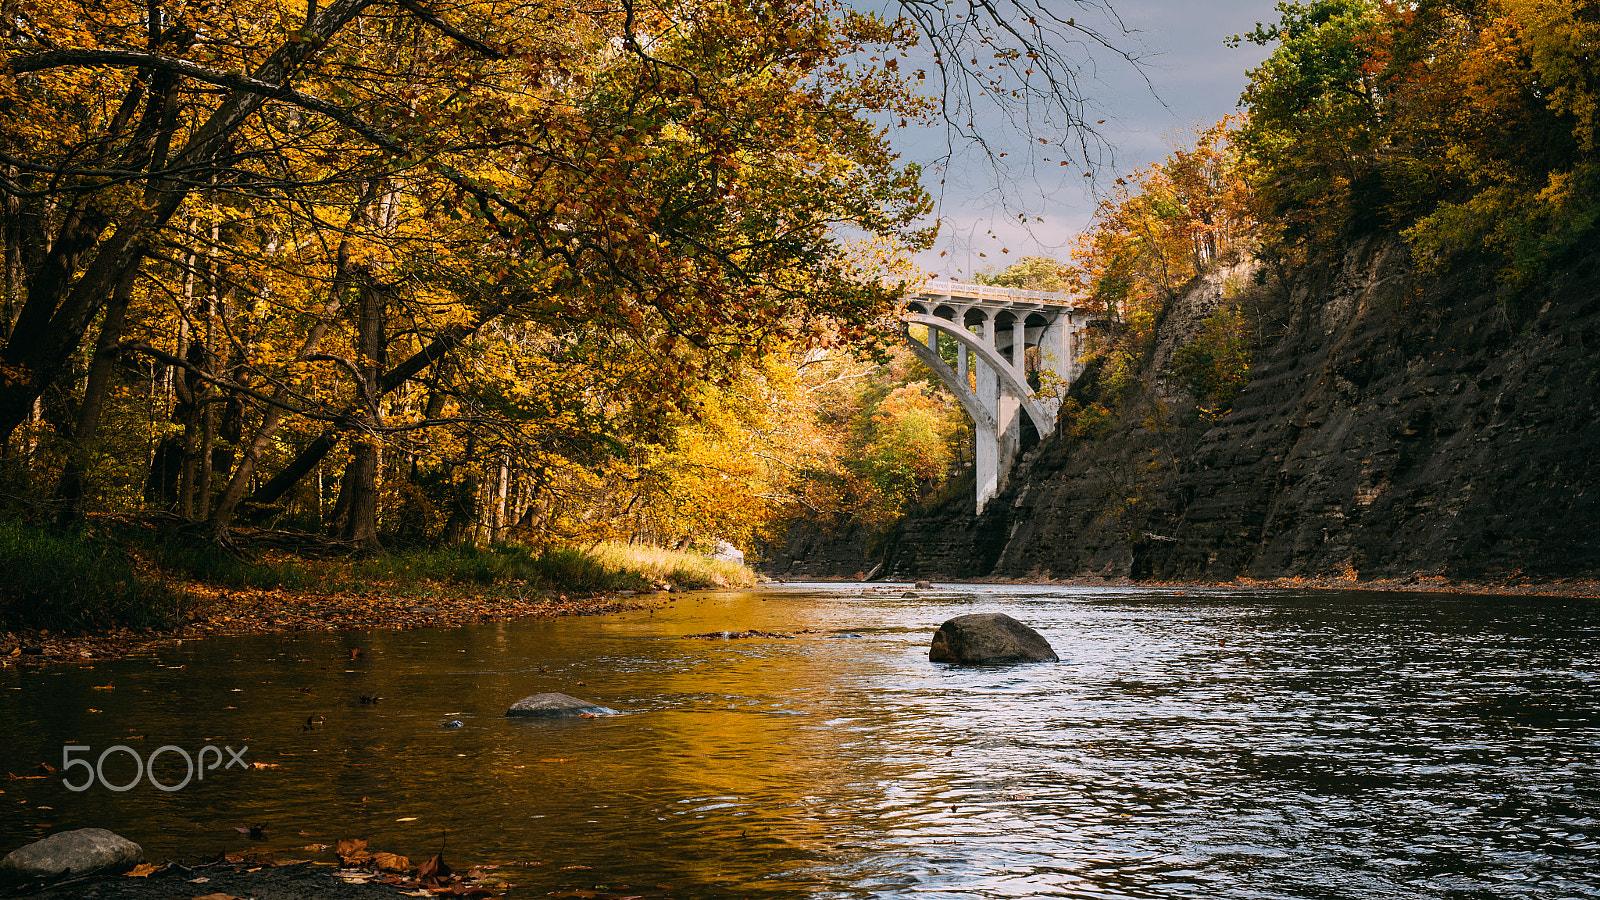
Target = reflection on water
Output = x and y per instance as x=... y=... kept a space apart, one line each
x=1204 y=744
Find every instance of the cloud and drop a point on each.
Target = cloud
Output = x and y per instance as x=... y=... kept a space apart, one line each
x=1194 y=80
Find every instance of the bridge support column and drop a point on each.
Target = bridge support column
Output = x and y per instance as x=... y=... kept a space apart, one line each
x=990 y=447
x=992 y=385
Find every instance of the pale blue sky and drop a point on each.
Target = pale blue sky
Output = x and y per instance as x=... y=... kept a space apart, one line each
x=1196 y=79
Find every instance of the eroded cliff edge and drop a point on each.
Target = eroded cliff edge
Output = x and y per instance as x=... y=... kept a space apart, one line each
x=1393 y=425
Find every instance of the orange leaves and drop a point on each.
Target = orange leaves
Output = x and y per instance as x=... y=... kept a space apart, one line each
x=391 y=862
x=352 y=851
x=434 y=869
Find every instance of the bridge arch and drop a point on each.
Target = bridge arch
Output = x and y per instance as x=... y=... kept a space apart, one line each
x=1004 y=338
x=1014 y=380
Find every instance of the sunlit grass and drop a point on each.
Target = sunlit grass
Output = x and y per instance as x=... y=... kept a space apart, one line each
x=679 y=568
x=500 y=569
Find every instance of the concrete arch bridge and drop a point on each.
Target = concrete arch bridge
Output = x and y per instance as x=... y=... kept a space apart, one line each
x=1014 y=353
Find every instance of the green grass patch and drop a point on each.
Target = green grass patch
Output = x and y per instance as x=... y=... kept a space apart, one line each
x=73 y=582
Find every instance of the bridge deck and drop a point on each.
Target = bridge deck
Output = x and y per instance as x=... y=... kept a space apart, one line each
x=990 y=292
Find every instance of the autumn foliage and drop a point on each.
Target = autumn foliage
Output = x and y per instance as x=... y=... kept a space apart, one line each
x=436 y=273
x=1471 y=126
x=1152 y=235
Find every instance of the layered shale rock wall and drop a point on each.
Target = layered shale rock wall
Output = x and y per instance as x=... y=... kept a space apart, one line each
x=1393 y=425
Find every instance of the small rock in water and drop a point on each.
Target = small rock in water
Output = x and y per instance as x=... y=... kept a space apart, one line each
x=923 y=585
x=87 y=851
x=988 y=639
x=453 y=723
x=553 y=705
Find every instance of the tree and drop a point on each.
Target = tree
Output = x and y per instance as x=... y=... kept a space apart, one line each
x=440 y=255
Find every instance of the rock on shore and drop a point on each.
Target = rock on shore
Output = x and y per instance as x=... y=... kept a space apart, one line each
x=86 y=851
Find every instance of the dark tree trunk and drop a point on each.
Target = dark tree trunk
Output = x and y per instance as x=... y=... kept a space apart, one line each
x=75 y=475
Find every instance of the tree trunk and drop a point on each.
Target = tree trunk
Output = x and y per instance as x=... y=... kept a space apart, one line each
x=272 y=416
x=361 y=478
x=463 y=504
x=61 y=302
x=360 y=497
x=75 y=475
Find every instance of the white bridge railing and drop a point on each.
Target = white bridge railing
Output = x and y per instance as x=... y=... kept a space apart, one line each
x=994 y=292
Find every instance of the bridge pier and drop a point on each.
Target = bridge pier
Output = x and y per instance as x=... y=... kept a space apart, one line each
x=995 y=377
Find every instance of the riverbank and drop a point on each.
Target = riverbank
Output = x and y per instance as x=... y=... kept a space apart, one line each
x=126 y=583
x=226 y=880
x=1579 y=588
x=221 y=611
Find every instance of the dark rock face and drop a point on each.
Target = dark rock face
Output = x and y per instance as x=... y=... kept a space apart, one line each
x=549 y=706
x=988 y=639
x=1393 y=426
x=87 y=851
x=811 y=549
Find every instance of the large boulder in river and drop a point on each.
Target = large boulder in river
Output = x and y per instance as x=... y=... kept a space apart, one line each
x=988 y=639
x=549 y=706
x=71 y=854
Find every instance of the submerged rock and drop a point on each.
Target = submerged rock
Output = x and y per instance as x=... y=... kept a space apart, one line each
x=555 y=706
x=988 y=639
x=87 y=851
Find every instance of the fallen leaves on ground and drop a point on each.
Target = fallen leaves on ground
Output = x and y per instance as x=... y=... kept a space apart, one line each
x=352 y=851
x=391 y=862
x=435 y=868
x=142 y=870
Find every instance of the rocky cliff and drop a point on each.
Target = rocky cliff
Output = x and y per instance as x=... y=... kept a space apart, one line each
x=1392 y=425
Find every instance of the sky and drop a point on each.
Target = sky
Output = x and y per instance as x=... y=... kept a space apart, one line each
x=1194 y=81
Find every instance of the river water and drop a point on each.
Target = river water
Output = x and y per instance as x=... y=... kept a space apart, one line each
x=1199 y=743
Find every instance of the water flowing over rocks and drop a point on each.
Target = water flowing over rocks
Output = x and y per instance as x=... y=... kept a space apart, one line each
x=86 y=851
x=988 y=639
x=553 y=705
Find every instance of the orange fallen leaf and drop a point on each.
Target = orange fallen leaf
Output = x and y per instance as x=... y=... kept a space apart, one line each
x=143 y=870
x=352 y=851
x=435 y=868
x=392 y=862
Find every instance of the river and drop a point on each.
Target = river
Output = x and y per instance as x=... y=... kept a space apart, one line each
x=1200 y=743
